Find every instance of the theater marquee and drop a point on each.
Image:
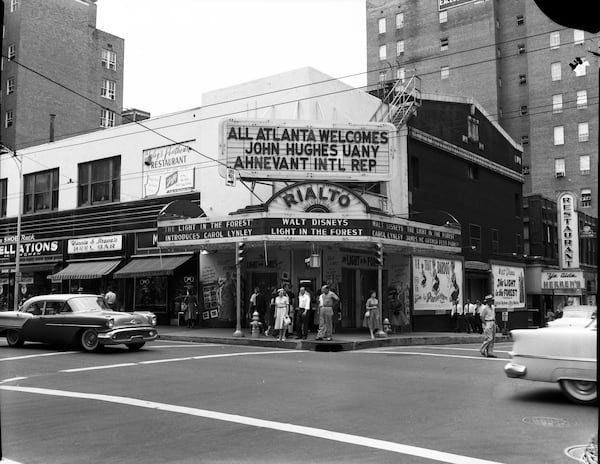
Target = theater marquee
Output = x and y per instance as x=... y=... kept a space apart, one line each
x=288 y=149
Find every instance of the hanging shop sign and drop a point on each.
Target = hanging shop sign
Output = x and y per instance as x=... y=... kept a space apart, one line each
x=563 y=281
x=288 y=149
x=437 y=283
x=446 y=4
x=31 y=249
x=508 y=286
x=95 y=244
x=167 y=170
x=568 y=231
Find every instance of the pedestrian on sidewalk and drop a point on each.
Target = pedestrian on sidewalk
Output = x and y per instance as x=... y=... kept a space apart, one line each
x=282 y=303
x=270 y=314
x=469 y=311
x=326 y=302
x=303 y=313
x=477 y=319
x=488 y=317
x=189 y=306
x=372 y=313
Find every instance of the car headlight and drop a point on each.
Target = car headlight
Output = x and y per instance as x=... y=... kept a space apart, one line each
x=110 y=323
x=153 y=320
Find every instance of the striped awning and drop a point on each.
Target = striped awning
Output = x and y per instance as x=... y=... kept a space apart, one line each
x=86 y=270
x=153 y=266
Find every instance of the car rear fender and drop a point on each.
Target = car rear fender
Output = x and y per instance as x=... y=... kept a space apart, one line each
x=589 y=375
x=13 y=319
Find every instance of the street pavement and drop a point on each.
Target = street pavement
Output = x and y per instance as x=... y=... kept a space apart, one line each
x=342 y=341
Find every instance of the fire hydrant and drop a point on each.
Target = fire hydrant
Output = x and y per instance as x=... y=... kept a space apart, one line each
x=256 y=325
x=387 y=326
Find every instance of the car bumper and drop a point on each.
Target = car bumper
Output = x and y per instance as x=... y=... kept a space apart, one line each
x=128 y=335
x=515 y=371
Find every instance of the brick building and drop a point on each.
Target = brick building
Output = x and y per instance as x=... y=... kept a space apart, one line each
x=512 y=59
x=60 y=75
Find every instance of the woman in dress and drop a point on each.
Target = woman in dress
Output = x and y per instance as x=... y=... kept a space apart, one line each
x=372 y=307
x=282 y=303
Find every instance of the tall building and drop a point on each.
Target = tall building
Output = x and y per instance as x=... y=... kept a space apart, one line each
x=519 y=65
x=60 y=75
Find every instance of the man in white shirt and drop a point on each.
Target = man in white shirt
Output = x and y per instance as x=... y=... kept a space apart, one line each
x=303 y=314
x=470 y=311
x=111 y=299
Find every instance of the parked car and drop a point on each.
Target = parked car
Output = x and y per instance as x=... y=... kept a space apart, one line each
x=574 y=316
x=79 y=319
x=566 y=355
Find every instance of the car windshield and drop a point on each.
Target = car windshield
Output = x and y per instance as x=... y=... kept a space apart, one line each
x=87 y=303
x=578 y=312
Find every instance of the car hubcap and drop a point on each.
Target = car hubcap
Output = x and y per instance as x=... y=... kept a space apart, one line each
x=90 y=339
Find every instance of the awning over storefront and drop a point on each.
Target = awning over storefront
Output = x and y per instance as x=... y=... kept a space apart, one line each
x=153 y=266
x=86 y=270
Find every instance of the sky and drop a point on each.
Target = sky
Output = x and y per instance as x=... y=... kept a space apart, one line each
x=177 y=50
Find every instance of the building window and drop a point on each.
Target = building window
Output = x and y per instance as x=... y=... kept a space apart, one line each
x=401 y=74
x=526 y=170
x=495 y=241
x=399 y=47
x=444 y=72
x=521 y=49
x=586 y=198
x=99 y=181
x=108 y=89
x=523 y=110
x=382 y=76
x=557 y=103
x=559 y=167
x=578 y=37
x=8 y=119
x=584 y=165
x=583 y=132
x=443 y=17
x=475 y=237
x=107 y=118
x=399 y=20
x=554 y=40
x=581 y=99
x=559 y=135
x=10 y=85
x=473 y=128
x=522 y=79
x=109 y=59
x=473 y=172
x=443 y=44
x=580 y=68
x=524 y=140
x=14 y=5
x=381 y=25
x=555 y=71
x=11 y=52
x=41 y=191
x=382 y=52
x=520 y=20
x=3 y=200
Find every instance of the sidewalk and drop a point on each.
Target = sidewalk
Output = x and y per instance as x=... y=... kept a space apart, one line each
x=344 y=341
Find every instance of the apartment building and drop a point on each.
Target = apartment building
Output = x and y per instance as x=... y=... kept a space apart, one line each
x=61 y=76
x=536 y=78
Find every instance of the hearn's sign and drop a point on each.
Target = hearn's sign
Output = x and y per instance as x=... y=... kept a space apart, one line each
x=290 y=149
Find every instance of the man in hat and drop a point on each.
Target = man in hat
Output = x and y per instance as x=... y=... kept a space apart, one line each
x=488 y=318
x=326 y=302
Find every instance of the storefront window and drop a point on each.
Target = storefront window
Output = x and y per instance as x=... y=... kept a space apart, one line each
x=151 y=293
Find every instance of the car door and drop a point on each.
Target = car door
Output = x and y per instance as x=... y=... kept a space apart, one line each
x=33 y=328
x=54 y=329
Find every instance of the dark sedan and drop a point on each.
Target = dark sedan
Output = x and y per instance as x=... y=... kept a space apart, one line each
x=79 y=319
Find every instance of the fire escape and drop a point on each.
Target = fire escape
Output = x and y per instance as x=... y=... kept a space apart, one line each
x=400 y=99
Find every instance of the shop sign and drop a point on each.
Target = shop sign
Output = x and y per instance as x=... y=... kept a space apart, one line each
x=568 y=232
x=508 y=286
x=167 y=170
x=437 y=283
x=286 y=149
x=31 y=249
x=562 y=280
x=446 y=4
x=203 y=231
x=95 y=244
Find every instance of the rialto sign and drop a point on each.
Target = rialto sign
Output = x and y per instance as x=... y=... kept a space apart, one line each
x=285 y=149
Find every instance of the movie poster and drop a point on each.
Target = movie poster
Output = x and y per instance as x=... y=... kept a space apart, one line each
x=437 y=283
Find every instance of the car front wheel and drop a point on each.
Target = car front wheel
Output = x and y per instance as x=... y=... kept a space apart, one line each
x=89 y=340
x=135 y=346
x=14 y=339
x=579 y=391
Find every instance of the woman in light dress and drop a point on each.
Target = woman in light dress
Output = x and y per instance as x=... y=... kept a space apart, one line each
x=372 y=307
x=282 y=304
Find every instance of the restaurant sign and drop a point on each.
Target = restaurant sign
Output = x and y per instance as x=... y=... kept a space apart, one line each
x=167 y=170
x=558 y=281
x=289 y=149
x=95 y=244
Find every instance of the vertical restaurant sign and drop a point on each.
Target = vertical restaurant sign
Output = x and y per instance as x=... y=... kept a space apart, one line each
x=436 y=283
x=568 y=232
x=291 y=149
x=167 y=170
x=508 y=286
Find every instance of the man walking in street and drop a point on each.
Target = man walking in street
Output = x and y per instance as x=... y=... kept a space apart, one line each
x=488 y=317
x=326 y=302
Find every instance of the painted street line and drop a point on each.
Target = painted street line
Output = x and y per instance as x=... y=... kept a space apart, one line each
x=435 y=347
x=155 y=346
x=267 y=424
x=14 y=379
x=18 y=358
x=434 y=355
x=187 y=358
